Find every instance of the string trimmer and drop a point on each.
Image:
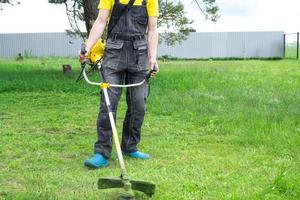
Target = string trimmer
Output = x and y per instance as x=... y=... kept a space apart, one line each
x=123 y=181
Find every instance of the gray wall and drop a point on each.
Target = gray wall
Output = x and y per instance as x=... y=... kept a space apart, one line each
x=38 y=44
x=228 y=45
x=198 y=45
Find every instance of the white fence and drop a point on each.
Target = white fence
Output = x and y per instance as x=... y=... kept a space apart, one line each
x=198 y=45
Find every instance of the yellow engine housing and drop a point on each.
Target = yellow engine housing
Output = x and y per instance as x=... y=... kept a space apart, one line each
x=97 y=51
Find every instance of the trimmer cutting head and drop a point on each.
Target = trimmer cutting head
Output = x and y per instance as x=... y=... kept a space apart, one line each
x=143 y=186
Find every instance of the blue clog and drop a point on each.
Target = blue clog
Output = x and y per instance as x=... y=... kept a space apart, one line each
x=139 y=155
x=96 y=161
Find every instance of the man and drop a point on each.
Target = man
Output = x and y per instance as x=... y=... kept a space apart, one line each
x=126 y=59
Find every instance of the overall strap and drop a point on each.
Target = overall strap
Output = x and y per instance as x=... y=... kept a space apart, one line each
x=130 y=4
x=144 y=2
x=123 y=12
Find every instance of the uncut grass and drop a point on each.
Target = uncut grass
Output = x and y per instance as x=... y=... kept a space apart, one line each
x=215 y=130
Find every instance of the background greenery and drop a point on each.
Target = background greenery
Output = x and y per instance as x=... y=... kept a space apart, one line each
x=215 y=130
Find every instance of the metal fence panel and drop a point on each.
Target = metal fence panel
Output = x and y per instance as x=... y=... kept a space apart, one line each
x=38 y=44
x=198 y=45
x=228 y=45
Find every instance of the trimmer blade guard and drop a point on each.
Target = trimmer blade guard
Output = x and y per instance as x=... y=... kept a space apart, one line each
x=143 y=186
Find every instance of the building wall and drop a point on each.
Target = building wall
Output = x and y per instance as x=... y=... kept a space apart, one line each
x=198 y=45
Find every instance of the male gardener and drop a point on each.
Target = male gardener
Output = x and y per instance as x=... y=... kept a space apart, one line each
x=128 y=53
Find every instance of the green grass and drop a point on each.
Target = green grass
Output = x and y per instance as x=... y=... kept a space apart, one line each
x=215 y=130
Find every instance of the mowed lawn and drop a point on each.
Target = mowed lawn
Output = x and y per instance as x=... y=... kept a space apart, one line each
x=214 y=129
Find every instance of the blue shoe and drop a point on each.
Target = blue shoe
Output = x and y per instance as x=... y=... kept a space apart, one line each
x=96 y=161
x=138 y=154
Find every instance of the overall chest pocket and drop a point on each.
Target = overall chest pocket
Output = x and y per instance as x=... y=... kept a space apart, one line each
x=140 y=24
x=141 y=53
x=112 y=53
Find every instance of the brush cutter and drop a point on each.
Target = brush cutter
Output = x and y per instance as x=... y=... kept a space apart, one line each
x=123 y=181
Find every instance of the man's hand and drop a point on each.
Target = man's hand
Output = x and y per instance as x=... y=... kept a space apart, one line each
x=154 y=66
x=82 y=57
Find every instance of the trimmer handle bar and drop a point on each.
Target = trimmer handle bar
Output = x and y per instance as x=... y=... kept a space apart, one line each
x=83 y=72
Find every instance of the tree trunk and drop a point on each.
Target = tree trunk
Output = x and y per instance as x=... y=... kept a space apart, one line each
x=90 y=8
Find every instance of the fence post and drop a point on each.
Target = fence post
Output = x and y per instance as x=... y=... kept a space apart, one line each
x=297 y=45
x=284 y=35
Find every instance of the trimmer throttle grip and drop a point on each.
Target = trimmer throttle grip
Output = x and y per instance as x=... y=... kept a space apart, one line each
x=150 y=72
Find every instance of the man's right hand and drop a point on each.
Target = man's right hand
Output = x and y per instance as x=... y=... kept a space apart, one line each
x=82 y=56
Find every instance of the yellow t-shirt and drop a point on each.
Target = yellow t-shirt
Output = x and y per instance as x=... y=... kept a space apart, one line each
x=152 y=5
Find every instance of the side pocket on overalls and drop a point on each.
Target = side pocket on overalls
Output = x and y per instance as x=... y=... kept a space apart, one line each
x=112 y=53
x=141 y=49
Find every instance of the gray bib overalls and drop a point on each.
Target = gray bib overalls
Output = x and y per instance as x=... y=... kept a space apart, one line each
x=125 y=61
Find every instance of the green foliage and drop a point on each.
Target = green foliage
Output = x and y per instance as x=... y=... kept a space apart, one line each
x=175 y=24
x=209 y=8
x=215 y=130
x=173 y=21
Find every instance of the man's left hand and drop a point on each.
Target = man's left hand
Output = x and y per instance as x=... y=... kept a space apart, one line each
x=154 y=66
